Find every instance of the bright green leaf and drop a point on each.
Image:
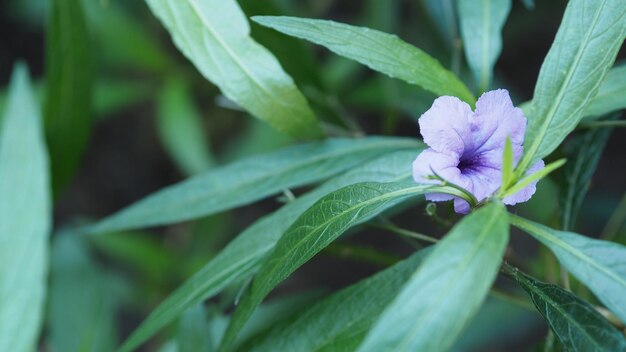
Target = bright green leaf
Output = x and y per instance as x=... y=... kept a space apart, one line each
x=315 y=229
x=243 y=255
x=583 y=51
x=25 y=217
x=69 y=79
x=507 y=164
x=249 y=180
x=583 y=160
x=342 y=317
x=537 y=175
x=378 y=50
x=181 y=129
x=576 y=323
x=446 y=291
x=600 y=265
x=215 y=36
x=611 y=95
x=481 y=30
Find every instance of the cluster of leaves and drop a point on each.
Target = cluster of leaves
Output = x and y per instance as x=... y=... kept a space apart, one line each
x=423 y=302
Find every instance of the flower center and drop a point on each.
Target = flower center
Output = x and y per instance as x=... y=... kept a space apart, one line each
x=469 y=164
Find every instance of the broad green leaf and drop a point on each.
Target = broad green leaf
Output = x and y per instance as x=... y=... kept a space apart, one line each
x=25 y=217
x=342 y=317
x=181 y=130
x=576 y=323
x=69 y=80
x=378 y=50
x=600 y=265
x=481 y=30
x=242 y=257
x=248 y=180
x=444 y=17
x=583 y=51
x=611 y=95
x=583 y=160
x=446 y=291
x=83 y=299
x=315 y=229
x=215 y=36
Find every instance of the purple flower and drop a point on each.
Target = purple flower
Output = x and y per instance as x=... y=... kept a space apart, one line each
x=466 y=147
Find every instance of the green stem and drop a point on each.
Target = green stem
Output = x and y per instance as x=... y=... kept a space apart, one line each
x=404 y=232
x=600 y=124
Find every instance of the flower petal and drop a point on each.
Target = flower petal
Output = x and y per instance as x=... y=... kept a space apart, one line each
x=445 y=165
x=525 y=193
x=445 y=126
x=496 y=118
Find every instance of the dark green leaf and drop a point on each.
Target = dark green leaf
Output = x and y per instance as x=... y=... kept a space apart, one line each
x=315 y=229
x=69 y=79
x=583 y=160
x=215 y=36
x=342 y=318
x=600 y=265
x=243 y=255
x=481 y=29
x=249 y=180
x=378 y=50
x=181 y=129
x=577 y=325
x=25 y=217
x=446 y=291
x=583 y=51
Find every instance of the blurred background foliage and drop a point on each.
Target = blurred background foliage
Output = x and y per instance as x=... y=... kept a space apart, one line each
x=153 y=120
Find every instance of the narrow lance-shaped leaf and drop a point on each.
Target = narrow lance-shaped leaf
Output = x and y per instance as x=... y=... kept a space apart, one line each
x=215 y=36
x=181 y=130
x=315 y=229
x=341 y=319
x=481 y=29
x=69 y=79
x=583 y=51
x=576 y=323
x=249 y=180
x=583 y=160
x=600 y=265
x=380 y=51
x=611 y=95
x=242 y=256
x=448 y=288
x=25 y=217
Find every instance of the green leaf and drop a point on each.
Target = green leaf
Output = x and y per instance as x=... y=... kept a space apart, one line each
x=537 y=175
x=25 y=217
x=610 y=96
x=243 y=255
x=440 y=299
x=215 y=36
x=248 y=180
x=584 y=157
x=193 y=331
x=342 y=318
x=583 y=51
x=481 y=30
x=507 y=164
x=600 y=265
x=315 y=229
x=83 y=299
x=577 y=325
x=181 y=130
x=69 y=80
x=379 y=51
